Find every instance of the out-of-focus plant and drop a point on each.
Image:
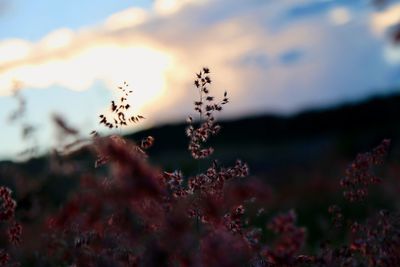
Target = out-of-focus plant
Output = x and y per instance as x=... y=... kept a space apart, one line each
x=144 y=216
x=7 y=220
x=130 y=213
x=28 y=130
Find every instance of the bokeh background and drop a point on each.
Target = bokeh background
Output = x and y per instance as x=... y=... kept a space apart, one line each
x=279 y=57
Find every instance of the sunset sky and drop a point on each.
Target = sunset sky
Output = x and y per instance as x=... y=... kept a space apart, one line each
x=280 y=56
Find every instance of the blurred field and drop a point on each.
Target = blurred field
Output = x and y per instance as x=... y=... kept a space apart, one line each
x=301 y=157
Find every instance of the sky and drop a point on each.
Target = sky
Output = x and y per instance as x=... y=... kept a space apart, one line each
x=271 y=56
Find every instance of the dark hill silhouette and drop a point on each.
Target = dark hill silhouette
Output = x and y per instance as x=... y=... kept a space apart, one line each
x=353 y=127
x=273 y=144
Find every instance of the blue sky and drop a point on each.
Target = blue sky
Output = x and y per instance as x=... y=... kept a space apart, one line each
x=272 y=56
x=32 y=20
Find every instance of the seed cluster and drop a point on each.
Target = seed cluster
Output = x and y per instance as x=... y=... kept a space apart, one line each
x=7 y=213
x=289 y=242
x=359 y=174
x=119 y=110
x=205 y=107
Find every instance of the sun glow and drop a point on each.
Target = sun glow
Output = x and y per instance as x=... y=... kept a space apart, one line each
x=144 y=68
x=145 y=71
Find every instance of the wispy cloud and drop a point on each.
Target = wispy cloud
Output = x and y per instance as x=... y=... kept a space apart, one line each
x=259 y=53
x=381 y=21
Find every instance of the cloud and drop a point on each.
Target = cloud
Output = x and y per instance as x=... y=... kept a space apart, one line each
x=13 y=50
x=307 y=8
x=382 y=20
x=126 y=18
x=254 y=59
x=244 y=43
x=75 y=60
x=291 y=56
x=169 y=7
x=340 y=15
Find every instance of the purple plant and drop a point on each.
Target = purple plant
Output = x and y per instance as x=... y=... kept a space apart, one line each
x=130 y=213
x=7 y=213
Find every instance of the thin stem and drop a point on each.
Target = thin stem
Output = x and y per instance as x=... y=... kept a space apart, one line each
x=198 y=161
